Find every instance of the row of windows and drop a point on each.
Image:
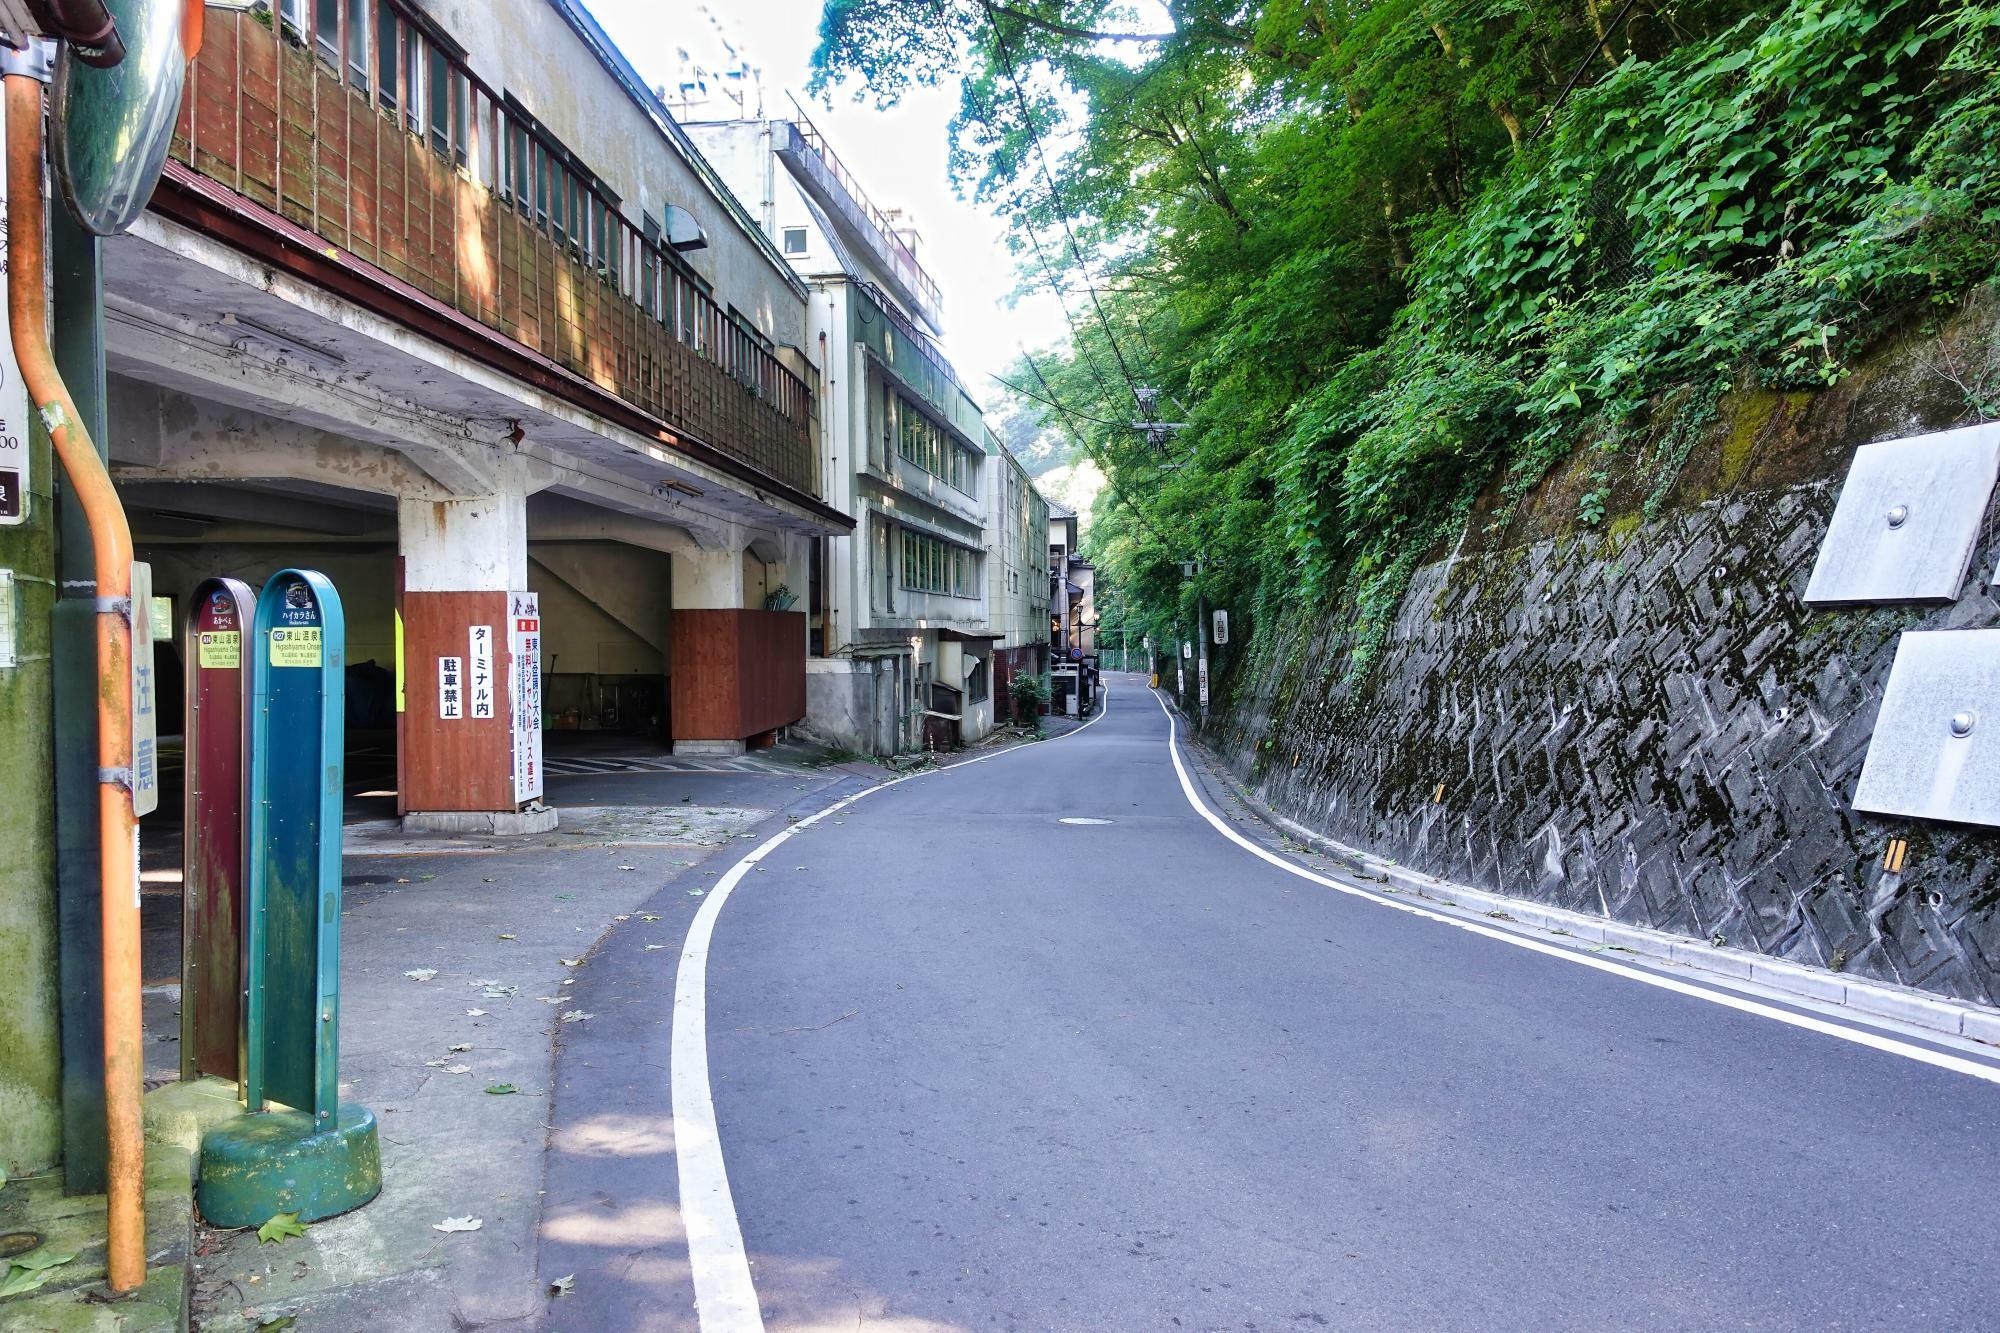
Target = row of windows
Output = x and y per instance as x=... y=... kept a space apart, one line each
x=925 y=443
x=930 y=565
x=414 y=78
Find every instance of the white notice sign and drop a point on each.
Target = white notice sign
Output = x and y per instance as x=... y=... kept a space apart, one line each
x=524 y=693
x=145 y=696
x=13 y=406
x=451 y=688
x=480 y=686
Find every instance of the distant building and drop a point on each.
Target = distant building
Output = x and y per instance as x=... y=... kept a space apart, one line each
x=906 y=611
x=1017 y=575
x=1072 y=587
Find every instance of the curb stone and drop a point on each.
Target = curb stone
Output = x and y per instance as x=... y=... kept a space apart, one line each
x=1868 y=1000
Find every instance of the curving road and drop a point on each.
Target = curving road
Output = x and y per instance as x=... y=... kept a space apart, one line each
x=976 y=1068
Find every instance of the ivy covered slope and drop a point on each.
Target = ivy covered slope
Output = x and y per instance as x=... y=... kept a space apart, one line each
x=1384 y=258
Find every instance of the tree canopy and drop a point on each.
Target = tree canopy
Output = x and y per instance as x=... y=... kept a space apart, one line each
x=1376 y=258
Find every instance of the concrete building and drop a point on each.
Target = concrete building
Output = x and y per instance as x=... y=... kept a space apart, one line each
x=1017 y=574
x=1072 y=588
x=901 y=615
x=437 y=298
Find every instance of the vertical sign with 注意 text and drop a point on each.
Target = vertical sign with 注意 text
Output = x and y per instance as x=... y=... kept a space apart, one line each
x=524 y=657
x=216 y=761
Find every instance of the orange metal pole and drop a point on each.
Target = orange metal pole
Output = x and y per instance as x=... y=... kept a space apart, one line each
x=111 y=543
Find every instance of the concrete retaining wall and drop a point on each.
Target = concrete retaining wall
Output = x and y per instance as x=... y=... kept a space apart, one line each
x=1641 y=720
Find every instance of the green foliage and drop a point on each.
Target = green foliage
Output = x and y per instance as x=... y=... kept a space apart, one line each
x=1378 y=270
x=1030 y=694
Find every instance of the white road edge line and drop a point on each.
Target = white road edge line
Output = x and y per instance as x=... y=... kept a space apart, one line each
x=725 y=1298
x=1873 y=1040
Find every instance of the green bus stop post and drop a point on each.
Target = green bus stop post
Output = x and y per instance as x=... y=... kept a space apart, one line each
x=316 y=1157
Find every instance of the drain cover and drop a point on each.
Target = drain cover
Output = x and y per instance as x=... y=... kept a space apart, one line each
x=18 y=1242
x=1081 y=819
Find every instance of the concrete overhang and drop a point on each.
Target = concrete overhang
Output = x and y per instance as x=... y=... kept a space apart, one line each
x=189 y=313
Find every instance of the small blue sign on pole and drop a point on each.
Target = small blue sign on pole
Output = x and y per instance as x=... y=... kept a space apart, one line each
x=317 y=1157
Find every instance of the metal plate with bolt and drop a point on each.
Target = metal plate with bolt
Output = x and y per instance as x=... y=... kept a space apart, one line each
x=217 y=748
x=317 y=1156
x=1935 y=753
x=1907 y=518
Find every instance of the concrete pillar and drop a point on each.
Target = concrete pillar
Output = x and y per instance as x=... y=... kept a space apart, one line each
x=709 y=579
x=464 y=563
x=30 y=1056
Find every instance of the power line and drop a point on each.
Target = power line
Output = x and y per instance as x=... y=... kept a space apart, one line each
x=1029 y=393
x=1103 y=460
x=1055 y=196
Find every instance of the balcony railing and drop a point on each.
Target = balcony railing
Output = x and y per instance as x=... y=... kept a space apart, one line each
x=398 y=155
x=902 y=257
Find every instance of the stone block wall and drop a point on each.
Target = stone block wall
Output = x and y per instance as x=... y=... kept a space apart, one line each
x=1641 y=719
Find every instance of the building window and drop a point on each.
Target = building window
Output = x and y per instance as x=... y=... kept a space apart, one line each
x=925 y=443
x=930 y=565
x=327 y=15
x=975 y=683
x=795 y=240
x=387 y=56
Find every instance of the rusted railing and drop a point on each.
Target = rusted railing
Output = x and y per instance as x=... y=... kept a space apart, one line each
x=400 y=156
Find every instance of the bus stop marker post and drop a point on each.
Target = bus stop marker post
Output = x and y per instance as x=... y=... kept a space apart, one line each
x=214 y=857
x=316 y=1157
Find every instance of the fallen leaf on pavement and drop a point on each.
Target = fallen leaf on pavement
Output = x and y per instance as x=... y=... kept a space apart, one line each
x=28 y=1271
x=504 y=937
x=458 y=1224
x=421 y=973
x=563 y=1285
x=458 y=1069
x=651 y=947
x=569 y=962
x=281 y=1227
x=649 y=916
x=475 y=1013
x=550 y=999
x=501 y=1089
x=628 y=867
x=576 y=1016
x=461 y=1046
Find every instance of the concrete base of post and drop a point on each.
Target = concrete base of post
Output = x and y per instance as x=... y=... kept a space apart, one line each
x=710 y=749
x=257 y=1166
x=536 y=819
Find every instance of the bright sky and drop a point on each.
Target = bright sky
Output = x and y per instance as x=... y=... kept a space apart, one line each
x=899 y=154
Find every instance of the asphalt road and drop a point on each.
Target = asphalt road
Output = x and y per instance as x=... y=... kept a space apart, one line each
x=975 y=1068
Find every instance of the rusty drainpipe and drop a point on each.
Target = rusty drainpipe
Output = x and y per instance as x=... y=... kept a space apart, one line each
x=90 y=29
x=111 y=543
